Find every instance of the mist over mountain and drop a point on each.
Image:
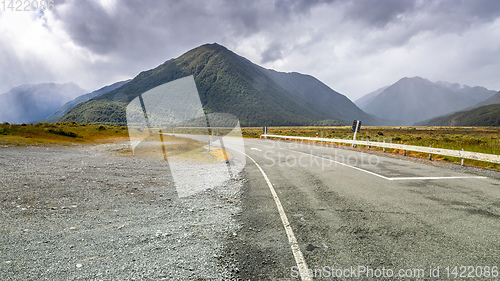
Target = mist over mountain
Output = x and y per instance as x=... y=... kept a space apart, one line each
x=485 y=113
x=488 y=115
x=54 y=117
x=229 y=83
x=28 y=103
x=477 y=93
x=493 y=100
x=366 y=99
x=411 y=100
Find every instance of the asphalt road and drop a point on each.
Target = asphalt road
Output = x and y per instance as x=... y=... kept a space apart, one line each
x=363 y=216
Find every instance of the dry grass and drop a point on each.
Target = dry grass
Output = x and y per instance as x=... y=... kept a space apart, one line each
x=60 y=134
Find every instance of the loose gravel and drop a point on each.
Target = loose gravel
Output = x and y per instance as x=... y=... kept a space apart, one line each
x=91 y=213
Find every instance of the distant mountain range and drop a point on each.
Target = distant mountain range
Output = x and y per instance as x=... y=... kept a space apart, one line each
x=411 y=100
x=54 y=117
x=28 y=103
x=229 y=83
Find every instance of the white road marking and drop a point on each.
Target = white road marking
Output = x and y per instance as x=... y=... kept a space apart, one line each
x=386 y=178
x=299 y=257
x=436 y=178
x=254 y=148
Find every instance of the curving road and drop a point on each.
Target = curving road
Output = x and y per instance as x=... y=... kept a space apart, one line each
x=363 y=216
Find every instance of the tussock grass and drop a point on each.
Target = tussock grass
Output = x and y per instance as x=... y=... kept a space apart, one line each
x=67 y=133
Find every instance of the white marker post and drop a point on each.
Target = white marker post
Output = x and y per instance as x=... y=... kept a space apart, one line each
x=356 y=126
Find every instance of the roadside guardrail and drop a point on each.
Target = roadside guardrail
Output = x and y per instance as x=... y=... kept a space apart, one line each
x=431 y=150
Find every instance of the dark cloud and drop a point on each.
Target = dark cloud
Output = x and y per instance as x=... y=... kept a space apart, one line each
x=297 y=7
x=138 y=28
x=377 y=13
x=272 y=53
x=90 y=26
x=450 y=15
x=464 y=10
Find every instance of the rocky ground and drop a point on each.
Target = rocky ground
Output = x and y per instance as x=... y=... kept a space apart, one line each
x=93 y=213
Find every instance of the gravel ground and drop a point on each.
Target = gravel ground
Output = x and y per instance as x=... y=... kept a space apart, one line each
x=89 y=213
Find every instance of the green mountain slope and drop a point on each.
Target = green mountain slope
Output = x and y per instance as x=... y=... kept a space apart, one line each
x=231 y=84
x=488 y=115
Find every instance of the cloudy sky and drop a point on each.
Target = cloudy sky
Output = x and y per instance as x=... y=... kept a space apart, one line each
x=354 y=47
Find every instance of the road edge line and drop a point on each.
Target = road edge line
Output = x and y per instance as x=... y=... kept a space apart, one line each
x=297 y=254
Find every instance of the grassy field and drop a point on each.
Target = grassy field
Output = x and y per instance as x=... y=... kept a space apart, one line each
x=69 y=133
x=476 y=139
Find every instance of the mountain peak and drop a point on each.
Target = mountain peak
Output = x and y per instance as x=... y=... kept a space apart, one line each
x=415 y=79
x=211 y=47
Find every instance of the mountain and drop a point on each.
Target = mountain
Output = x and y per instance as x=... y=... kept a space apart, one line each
x=493 y=100
x=54 y=117
x=229 y=83
x=488 y=115
x=29 y=103
x=410 y=100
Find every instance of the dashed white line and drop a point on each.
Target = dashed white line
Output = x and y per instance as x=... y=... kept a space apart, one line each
x=254 y=148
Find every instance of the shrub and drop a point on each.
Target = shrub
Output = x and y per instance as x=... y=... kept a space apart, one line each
x=101 y=128
x=62 y=133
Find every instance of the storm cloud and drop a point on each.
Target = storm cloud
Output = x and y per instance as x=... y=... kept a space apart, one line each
x=353 y=46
